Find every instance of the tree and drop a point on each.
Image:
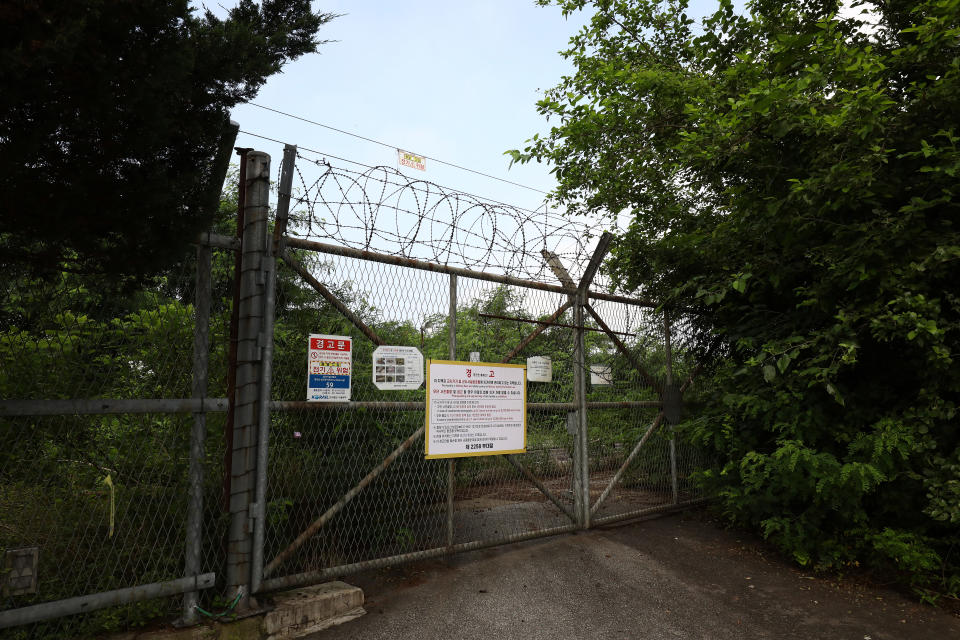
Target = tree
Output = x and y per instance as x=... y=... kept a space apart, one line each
x=111 y=115
x=792 y=176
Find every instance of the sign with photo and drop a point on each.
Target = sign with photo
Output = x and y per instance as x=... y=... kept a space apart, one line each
x=396 y=367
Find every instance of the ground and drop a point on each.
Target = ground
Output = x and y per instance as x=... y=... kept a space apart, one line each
x=677 y=576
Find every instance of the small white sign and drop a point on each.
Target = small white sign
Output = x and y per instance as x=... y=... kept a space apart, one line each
x=396 y=368
x=474 y=356
x=329 y=367
x=412 y=160
x=539 y=369
x=601 y=374
x=475 y=409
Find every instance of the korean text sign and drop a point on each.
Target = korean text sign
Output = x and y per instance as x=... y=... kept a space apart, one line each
x=475 y=409
x=329 y=368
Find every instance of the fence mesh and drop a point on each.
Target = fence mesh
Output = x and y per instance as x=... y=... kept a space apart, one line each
x=319 y=454
x=103 y=497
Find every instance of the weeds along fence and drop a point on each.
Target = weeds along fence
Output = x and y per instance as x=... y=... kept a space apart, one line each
x=143 y=476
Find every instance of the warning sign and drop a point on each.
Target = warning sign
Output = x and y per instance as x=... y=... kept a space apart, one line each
x=411 y=160
x=601 y=374
x=539 y=369
x=475 y=409
x=329 y=365
x=396 y=367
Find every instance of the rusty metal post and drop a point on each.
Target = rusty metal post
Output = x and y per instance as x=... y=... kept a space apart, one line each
x=266 y=365
x=234 y=321
x=242 y=503
x=668 y=384
x=198 y=434
x=452 y=353
x=581 y=478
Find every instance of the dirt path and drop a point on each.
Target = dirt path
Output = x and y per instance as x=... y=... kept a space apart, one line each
x=677 y=576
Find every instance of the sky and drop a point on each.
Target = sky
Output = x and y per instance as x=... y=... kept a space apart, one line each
x=456 y=81
x=453 y=80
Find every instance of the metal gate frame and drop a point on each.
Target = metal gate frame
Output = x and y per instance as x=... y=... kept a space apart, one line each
x=263 y=576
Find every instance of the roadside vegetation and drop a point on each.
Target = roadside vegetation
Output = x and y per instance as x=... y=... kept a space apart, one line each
x=791 y=171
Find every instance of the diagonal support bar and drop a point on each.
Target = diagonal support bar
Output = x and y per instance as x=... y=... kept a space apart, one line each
x=603 y=245
x=623 y=349
x=332 y=299
x=320 y=522
x=626 y=463
x=539 y=485
x=533 y=334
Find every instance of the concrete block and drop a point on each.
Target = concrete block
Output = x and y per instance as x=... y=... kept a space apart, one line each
x=311 y=609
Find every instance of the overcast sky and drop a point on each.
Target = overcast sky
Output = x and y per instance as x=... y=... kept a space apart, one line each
x=457 y=81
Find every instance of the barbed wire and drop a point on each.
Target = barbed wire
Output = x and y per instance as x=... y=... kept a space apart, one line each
x=378 y=208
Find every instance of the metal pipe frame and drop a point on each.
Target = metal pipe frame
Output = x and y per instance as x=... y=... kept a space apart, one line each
x=347 y=252
x=452 y=353
x=668 y=352
x=539 y=485
x=218 y=241
x=623 y=349
x=198 y=434
x=533 y=334
x=547 y=323
x=234 y=328
x=95 y=601
x=266 y=366
x=626 y=463
x=313 y=577
x=320 y=522
x=581 y=495
x=246 y=410
x=666 y=508
x=110 y=406
x=332 y=299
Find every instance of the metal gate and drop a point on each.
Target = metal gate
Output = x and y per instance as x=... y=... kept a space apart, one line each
x=128 y=478
x=347 y=486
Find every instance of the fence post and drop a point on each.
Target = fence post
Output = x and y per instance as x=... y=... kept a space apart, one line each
x=198 y=434
x=452 y=352
x=581 y=479
x=273 y=251
x=668 y=385
x=580 y=365
x=244 y=451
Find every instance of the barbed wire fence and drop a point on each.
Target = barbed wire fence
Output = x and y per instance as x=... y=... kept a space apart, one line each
x=386 y=259
x=382 y=209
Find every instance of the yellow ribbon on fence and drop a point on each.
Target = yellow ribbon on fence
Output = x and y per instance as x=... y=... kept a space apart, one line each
x=113 y=507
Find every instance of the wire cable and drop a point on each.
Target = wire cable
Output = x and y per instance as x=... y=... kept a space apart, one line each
x=395 y=147
x=370 y=166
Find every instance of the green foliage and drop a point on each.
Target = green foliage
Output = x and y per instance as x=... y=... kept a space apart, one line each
x=792 y=176
x=111 y=116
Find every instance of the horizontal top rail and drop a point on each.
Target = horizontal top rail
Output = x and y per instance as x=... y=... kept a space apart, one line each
x=413 y=263
x=219 y=241
x=106 y=406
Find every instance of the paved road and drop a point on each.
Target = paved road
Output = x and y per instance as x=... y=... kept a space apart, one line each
x=677 y=576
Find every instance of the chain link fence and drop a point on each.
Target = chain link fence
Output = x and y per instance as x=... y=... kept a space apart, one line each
x=96 y=420
x=127 y=478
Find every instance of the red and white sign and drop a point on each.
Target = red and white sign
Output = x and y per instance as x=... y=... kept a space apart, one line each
x=329 y=368
x=412 y=160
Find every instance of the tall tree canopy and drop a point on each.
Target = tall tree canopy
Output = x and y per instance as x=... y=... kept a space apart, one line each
x=110 y=116
x=793 y=181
